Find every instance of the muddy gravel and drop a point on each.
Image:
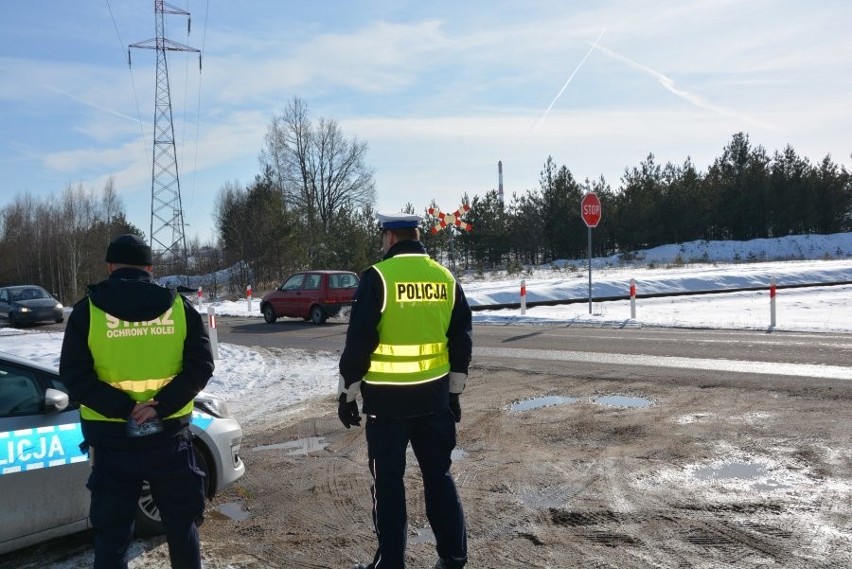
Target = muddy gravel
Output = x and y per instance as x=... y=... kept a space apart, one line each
x=559 y=471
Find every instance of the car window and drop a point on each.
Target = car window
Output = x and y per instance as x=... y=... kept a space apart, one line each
x=343 y=281
x=312 y=282
x=26 y=294
x=37 y=293
x=19 y=392
x=4 y=295
x=293 y=283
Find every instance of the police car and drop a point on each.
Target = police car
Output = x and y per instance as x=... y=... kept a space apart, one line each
x=43 y=472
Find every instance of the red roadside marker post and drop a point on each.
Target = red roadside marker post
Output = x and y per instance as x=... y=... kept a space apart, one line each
x=212 y=332
x=633 y=299
x=772 y=303
x=590 y=211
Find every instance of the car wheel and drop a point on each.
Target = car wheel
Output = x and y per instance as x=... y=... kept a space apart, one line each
x=13 y=320
x=148 y=521
x=269 y=314
x=60 y=320
x=317 y=314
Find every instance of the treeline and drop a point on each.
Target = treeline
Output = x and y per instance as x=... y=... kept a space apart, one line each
x=745 y=194
x=313 y=207
x=60 y=243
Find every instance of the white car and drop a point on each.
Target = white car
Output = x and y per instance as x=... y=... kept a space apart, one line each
x=43 y=472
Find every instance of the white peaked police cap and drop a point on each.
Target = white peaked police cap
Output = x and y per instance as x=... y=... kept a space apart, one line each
x=398 y=220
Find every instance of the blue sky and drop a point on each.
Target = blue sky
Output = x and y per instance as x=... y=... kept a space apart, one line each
x=439 y=90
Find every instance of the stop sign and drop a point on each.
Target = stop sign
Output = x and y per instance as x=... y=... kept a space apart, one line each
x=590 y=210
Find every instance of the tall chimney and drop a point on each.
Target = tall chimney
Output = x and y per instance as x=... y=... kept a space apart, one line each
x=500 y=180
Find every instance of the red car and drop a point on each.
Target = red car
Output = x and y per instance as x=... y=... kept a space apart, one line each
x=311 y=295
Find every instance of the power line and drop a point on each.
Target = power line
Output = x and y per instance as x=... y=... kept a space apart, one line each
x=198 y=109
x=132 y=81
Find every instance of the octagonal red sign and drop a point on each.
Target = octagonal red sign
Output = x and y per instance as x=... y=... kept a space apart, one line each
x=590 y=210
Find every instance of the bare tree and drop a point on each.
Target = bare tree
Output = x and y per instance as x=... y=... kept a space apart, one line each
x=343 y=179
x=317 y=169
x=111 y=202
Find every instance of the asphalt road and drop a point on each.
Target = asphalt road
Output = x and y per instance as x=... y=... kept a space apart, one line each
x=665 y=353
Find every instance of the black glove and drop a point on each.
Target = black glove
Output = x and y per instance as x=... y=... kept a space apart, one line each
x=455 y=406
x=348 y=412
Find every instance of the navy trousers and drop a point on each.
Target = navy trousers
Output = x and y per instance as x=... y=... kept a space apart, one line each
x=432 y=438
x=177 y=487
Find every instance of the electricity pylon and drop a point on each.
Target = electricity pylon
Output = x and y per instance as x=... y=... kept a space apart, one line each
x=167 y=228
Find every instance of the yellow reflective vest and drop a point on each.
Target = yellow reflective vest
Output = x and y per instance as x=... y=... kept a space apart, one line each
x=416 y=310
x=139 y=358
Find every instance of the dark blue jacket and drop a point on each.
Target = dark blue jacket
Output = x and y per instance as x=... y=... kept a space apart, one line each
x=131 y=295
x=362 y=337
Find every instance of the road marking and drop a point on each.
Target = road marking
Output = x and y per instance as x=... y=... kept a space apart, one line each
x=737 y=366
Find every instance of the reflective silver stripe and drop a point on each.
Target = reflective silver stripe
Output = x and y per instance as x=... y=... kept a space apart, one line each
x=397 y=367
x=384 y=288
x=140 y=385
x=396 y=382
x=409 y=350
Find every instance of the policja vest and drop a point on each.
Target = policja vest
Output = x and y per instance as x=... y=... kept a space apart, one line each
x=419 y=295
x=139 y=358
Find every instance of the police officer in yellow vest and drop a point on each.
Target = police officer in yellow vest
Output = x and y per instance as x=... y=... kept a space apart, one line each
x=135 y=355
x=408 y=348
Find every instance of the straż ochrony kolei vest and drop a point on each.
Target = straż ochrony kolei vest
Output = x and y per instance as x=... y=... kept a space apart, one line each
x=139 y=358
x=416 y=310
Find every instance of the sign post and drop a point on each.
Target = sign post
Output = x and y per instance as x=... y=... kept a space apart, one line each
x=590 y=211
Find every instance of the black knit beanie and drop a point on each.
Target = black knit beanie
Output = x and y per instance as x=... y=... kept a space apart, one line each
x=129 y=250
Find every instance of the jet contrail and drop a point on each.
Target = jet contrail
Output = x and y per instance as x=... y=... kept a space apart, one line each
x=562 y=90
x=90 y=103
x=669 y=85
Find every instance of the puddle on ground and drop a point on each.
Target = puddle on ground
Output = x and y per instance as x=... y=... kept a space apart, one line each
x=539 y=402
x=740 y=471
x=234 y=511
x=422 y=535
x=551 y=400
x=301 y=447
x=622 y=401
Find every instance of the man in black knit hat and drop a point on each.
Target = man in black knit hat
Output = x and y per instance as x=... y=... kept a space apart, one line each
x=135 y=355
